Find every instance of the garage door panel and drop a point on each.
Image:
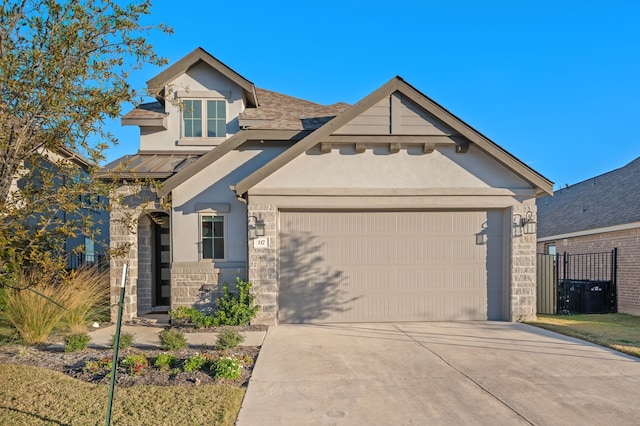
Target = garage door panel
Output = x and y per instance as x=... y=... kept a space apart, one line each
x=388 y=266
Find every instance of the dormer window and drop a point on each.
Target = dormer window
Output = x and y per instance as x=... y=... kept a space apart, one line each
x=204 y=118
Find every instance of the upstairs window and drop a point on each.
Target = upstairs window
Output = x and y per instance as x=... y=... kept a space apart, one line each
x=204 y=118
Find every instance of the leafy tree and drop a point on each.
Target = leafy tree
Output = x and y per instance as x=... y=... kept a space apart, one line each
x=63 y=70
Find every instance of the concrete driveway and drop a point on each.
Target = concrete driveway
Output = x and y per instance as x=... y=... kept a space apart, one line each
x=457 y=373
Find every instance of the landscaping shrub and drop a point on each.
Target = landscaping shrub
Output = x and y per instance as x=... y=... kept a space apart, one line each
x=126 y=340
x=29 y=308
x=165 y=362
x=136 y=363
x=91 y=298
x=43 y=301
x=235 y=308
x=228 y=339
x=172 y=340
x=76 y=342
x=227 y=368
x=194 y=363
x=98 y=366
x=183 y=315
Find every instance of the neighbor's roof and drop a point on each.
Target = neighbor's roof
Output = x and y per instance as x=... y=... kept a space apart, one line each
x=607 y=200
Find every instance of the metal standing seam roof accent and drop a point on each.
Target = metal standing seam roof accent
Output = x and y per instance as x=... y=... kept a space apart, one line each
x=156 y=165
x=606 y=200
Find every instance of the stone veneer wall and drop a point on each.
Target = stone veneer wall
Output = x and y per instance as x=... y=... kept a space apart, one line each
x=194 y=284
x=262 y=266
x=124 y=229
x=628 y=274
x=523 y=270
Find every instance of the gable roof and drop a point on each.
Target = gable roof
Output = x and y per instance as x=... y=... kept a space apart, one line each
x=610 y=199
x=543 y=185
x=157 y=84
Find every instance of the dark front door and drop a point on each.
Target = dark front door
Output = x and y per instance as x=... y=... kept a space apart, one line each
x=162 y=261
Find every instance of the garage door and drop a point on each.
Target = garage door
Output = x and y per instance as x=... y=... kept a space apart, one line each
x=390 y=266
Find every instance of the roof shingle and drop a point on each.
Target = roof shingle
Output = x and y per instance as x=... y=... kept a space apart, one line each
x=606 y=200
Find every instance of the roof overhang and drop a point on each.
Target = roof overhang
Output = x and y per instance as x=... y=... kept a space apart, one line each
x=225 y=147
x=464 y=134
x=156 y=86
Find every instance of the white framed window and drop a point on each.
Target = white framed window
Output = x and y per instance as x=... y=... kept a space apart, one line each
x=204 y=118
x=213 y=236
x=89 y=250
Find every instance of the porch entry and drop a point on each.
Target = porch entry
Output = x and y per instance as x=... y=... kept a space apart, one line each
x=161 y=269
x=577 y=283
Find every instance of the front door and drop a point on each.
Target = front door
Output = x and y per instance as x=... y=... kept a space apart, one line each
x=161 y=261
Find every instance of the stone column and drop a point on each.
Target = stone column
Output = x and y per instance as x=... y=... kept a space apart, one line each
x=523 y=267
x=124 y=243
x=262 y=266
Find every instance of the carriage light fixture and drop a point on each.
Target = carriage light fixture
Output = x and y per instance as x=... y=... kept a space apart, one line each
x=258 y=229
x=529 y=225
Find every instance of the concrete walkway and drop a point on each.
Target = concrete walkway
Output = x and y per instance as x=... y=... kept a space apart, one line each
x=480 y=373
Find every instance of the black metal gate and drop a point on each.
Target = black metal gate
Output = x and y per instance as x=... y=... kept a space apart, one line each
x=586 y=283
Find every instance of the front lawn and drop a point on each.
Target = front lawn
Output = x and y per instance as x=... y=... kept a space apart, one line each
x=617 y=331
x=37 y=396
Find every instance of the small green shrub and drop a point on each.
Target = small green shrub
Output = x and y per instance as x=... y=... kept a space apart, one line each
x=238 y=308
x=136 y=363
x=172 y=340
x=100 y=365
x=165 y=362
x=194 y=363
x=227 y=368
x=126 y=340
x=183 y=315
x=76 y=342
x=228 y=339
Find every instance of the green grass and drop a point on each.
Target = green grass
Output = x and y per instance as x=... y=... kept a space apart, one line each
x=35 y=396
x=616 y=331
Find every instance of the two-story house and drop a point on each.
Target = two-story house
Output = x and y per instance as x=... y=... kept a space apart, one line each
x=392 y=209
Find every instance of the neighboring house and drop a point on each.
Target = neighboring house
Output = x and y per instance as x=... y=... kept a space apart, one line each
x=79 y=249
x=598 y=215
x=392 y=209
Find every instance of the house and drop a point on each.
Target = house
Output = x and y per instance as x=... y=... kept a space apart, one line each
x=598 y=215
x=392 y=209
x=47 y=172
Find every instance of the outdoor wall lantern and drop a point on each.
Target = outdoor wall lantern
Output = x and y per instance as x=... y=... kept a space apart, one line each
x=481 y=238
x=524 y=225
x=529 y=225
x=258 y=229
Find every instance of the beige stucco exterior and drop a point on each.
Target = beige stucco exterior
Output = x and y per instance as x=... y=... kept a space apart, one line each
x=394 y=151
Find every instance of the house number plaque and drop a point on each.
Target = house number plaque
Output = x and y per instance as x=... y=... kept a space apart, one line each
x=261 y=242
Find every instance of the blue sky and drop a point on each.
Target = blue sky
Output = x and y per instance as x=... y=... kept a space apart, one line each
x=555 y=83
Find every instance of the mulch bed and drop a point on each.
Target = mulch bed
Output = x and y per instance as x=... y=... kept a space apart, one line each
x=73 y=364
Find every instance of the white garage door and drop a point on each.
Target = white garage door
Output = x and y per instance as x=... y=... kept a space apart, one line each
x=390 y=266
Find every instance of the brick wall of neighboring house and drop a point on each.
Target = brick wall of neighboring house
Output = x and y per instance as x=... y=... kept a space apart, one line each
x=628 y=274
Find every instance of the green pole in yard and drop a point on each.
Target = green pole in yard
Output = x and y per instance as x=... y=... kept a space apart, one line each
x=116 y=344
